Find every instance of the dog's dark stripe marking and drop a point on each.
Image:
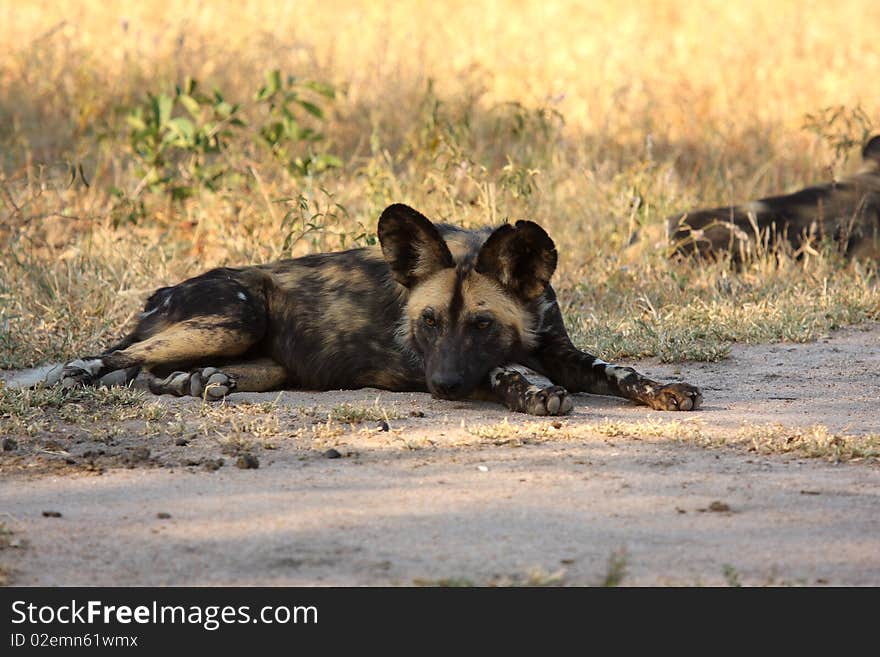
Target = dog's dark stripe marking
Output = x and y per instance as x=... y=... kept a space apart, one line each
x=456 y=304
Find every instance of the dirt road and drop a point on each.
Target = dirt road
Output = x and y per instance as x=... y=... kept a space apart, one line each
x=449 y=493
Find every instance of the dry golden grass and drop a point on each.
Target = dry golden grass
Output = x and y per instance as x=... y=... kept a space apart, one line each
x=590 y=118
x=816 y=441
x=34 y=412
x=813 y=442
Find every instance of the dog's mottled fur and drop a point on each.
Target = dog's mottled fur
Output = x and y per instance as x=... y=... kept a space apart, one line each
x=459 y=313
x=846 y=211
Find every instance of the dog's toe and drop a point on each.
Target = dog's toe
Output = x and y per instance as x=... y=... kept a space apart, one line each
x=217 y=384
x=176 y=383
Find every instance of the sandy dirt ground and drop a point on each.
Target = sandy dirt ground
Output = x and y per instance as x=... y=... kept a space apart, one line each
x=442 y=493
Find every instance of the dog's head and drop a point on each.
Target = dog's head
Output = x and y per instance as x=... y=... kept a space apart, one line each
x=468 y=315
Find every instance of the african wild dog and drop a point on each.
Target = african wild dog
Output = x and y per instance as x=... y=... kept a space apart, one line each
x=847 y=211
x=456 y=312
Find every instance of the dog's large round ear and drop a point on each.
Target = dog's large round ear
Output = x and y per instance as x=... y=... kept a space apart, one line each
x=522 y=258
x=411 y=244
x=871 y=151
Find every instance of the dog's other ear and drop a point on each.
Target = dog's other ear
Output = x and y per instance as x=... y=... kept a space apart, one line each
x=522 y=258
x=411 y=244
x=871 y=151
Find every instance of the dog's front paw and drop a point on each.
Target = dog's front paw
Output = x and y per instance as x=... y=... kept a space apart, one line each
x=548 y=401
x=80 y=372
x=677 y=397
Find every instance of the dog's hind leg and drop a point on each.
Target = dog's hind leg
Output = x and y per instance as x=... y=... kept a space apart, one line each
x=186 y=342
x=213 y=383
x=218 y=315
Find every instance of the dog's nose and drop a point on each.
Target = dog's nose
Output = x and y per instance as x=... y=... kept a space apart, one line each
x=445 y=386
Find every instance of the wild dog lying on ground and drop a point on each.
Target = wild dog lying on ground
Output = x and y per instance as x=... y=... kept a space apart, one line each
x=847 y=211
x=456 y=312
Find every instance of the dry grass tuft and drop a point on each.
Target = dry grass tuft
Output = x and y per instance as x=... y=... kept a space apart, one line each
x=505 y=433
x=816 y=441
x=31 y=412
x=359 y=413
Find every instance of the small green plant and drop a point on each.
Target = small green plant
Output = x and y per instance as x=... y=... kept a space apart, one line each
x=181 y=142
x=520 y=180
x=323 y=220
x=445 y=582
x=283 y=131
x=616 y=570
x=176 y=152
x=842 y=128
x=731 y=576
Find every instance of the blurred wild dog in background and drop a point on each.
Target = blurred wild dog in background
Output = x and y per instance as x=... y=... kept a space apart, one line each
x=845 y=211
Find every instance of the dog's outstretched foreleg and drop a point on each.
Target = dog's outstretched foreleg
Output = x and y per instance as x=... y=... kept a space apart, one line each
x=579 y=371
x=525 y=391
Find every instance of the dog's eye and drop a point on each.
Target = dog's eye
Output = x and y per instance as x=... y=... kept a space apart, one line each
x=483 y=324
x=429 y=319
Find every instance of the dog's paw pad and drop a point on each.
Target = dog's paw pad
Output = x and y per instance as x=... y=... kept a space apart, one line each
x=217 y=384
x=549 y=401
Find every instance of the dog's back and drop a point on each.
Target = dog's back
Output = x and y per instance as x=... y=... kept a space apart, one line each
x=847 y=212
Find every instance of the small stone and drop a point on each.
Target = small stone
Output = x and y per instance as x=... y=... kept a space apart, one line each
x=10 y=445
x=719 y=507
x=139 y=454
x=212 y=465
x=247 y=462
x=482 y=468
x=51 y=514
x=181 y=442
x=163 y=515
x=417 y=413
x=383 y=426
x=332 y=454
